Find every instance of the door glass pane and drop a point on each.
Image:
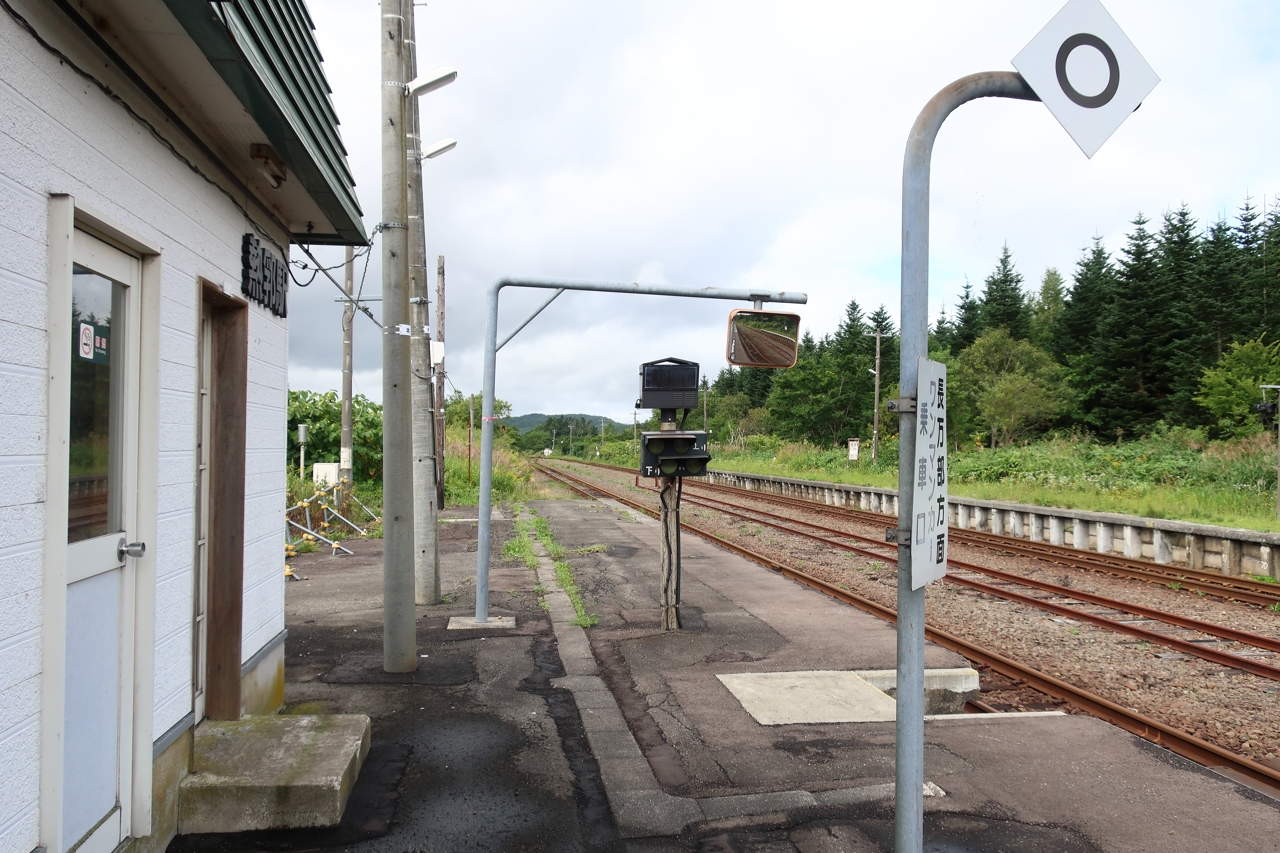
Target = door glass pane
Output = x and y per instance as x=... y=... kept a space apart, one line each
x=97 y=313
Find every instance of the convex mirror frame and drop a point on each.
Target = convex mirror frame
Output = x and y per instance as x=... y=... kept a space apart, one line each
x=762 y=338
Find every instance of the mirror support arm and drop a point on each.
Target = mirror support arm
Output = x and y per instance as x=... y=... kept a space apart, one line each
x=490 y=381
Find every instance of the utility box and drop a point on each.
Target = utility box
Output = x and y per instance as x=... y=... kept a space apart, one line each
x=674 y=453
x=324 y=474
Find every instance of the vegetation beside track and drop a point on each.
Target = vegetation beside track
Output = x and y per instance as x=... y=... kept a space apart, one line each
x=1174 y=473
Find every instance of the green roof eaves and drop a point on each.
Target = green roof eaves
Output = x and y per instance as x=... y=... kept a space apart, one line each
x=270 y=62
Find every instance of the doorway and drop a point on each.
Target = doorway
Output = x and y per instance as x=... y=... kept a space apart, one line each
x=219 y=541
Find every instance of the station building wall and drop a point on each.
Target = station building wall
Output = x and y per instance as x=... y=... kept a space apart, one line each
x=60 y=134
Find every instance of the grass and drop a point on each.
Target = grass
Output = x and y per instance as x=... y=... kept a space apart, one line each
x=564 y=571
x=519 y=549
x=513 y=474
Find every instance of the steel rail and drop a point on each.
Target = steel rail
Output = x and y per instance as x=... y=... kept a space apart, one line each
x=1066 y=592
x=1223 y=658
x=1175 y=740
x=1212 y=655
x=1192 y=580
x=1236 y=588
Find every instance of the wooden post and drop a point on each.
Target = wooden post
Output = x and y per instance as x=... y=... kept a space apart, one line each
x=670 y=553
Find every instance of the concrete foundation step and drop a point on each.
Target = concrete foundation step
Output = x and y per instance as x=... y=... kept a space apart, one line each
x=272 y=772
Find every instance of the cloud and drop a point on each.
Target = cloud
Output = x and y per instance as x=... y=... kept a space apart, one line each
x=748 y=143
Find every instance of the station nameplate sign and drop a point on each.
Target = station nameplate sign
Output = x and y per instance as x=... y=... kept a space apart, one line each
x=929 y=527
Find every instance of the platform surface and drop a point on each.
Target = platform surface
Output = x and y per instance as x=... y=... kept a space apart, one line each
x=679 y=750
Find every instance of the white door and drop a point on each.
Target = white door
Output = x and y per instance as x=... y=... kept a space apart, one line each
x=101 y=513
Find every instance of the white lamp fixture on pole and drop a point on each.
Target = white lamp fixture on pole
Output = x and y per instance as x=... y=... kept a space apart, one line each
x=434 y=151
x=431 y=81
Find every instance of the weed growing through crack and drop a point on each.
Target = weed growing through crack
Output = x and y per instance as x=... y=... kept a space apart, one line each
x=590 y=549
x=519 y=548
x=541 y=528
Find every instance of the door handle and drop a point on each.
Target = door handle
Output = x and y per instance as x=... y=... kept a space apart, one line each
x=130 y=549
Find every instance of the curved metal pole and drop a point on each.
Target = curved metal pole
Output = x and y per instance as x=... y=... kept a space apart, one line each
x=909 y=758
x=490 y=380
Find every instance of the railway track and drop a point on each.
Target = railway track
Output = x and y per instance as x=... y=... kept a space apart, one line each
x=1221 y=586
x=1148 y=728
x=1191 y=580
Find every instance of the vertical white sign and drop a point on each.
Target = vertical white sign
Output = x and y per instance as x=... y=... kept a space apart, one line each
x=929 y=527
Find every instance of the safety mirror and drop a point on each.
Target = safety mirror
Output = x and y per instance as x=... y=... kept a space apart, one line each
x=762 y=338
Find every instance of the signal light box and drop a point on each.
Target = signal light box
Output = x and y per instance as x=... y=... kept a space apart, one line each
x=671 y=453
x=671 y=383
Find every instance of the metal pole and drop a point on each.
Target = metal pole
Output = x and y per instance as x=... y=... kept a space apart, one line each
x=706 y=389
x=426 y=554
x=399 y=631
x=490 y=382
x=439 y=373
x=471 y=431
x=346 y=451
x=909 y=759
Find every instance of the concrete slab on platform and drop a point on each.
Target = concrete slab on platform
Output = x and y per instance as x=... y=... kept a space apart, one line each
x=469 y=623
x=782 y=698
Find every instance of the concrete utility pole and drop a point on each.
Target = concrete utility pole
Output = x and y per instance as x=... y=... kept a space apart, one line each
x=875 y=416
x=399 y=630
x=440 y=383
x=346 y=451
x=426 y=555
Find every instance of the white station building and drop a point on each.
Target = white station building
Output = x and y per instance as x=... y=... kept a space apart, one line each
x=157 y=159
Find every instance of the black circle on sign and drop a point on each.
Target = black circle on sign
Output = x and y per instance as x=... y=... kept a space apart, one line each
x=1091 y=102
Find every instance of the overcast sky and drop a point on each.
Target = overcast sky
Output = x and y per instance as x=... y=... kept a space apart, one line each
x=738 y=144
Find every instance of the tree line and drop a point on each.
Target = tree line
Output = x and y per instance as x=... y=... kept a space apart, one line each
x=1176 y=329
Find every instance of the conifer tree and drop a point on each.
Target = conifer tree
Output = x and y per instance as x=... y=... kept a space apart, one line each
x=1256 y=302
x=1079 y=328
x=890 y=348
x=1004 y=305
x=1221 y=301
x=1179 y=337
x=968 y=324
x=1047 y=308
x=942 y=335
x=1131 y=350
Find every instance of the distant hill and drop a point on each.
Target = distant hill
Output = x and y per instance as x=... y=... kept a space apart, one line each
x=524 y=423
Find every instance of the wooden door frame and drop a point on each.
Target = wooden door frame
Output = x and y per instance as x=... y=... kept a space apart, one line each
x=229 y=317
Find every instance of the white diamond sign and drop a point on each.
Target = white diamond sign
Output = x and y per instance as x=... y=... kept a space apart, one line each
x=1087 y=72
